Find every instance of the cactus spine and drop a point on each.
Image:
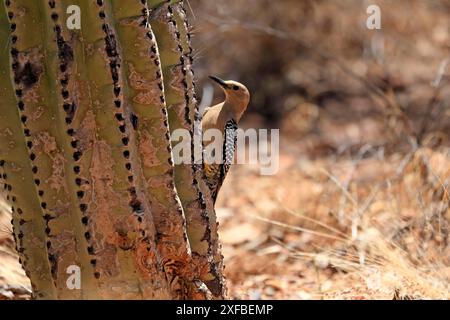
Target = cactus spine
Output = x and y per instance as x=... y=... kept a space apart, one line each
x=86 y=157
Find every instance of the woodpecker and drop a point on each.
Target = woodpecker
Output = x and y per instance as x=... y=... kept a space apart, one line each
x=225 y=117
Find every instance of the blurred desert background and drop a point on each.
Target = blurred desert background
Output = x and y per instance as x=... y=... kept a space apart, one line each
x=359 y=208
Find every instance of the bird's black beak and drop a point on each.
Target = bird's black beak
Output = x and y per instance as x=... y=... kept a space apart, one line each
x=221 y=82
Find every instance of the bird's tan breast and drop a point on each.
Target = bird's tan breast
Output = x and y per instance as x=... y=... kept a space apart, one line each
x=215 y=118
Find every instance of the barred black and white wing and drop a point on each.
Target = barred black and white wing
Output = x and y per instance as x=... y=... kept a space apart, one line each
x=216 y=173
x=229 y=146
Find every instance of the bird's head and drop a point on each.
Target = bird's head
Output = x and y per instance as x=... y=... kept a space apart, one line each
x=235 y=92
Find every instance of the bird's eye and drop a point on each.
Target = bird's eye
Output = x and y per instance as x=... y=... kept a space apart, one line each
x=235 y=88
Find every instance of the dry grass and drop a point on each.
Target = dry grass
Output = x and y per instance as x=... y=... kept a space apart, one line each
x=372 y=229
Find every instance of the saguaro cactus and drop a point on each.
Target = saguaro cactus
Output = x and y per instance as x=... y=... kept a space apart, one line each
x=86 y=156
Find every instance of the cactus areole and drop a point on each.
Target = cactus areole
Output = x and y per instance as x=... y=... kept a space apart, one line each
x=90 y=91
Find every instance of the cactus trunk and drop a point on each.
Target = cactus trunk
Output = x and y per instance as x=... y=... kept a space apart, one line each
x=168 y=20
x=86 y=157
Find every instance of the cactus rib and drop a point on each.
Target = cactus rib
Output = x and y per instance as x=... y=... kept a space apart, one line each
x=146 y=102
x=168 y=22
x=30 y=228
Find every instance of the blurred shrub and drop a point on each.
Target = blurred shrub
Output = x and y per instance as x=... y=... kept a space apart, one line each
x=320 y=52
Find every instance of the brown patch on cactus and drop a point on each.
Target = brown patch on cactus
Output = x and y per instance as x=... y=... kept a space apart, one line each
x=61 y=208
x=63 y=245
x=85 y=135
x=146 y=98
x=37 y=114
x=104 y=203
x=146 y=260
x=15 y=167
x=107 y=262
x=47 y=144
x=148 y=150
x=90 y=49
x=125 y=235
x=6 y=133
x=31 y=96
x=179 y=110
x=28 y=67
x=19 y=11
x=137 y=80
x=57 y=180
x=177 y=78
x=149 y=90
x=202 y=267
x=179 y=272
x=131 y=22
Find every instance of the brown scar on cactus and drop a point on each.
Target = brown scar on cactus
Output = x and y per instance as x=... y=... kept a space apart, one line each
x=47 y=144
x=147 y=92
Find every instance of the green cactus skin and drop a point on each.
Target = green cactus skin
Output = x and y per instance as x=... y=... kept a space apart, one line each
x=15 y=169
x=49 y=224
x=144 y=76
x=85 y=152
x=168 y=20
